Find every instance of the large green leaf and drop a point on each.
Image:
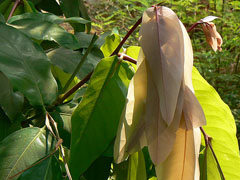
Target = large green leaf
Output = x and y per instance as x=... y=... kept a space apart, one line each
x=221 y=127
x=26 y=66
x=49 y=169
x=21 y=149
x=95 y=121
x=68 y=60
x=10 y=102
x=42 y=26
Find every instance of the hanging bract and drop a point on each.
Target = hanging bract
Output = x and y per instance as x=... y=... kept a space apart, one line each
x=162 y=111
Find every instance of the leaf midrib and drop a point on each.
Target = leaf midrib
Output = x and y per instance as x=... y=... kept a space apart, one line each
x=37 y=135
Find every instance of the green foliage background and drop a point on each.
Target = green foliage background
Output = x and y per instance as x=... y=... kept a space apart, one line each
x=49 y=124
x=221 y=69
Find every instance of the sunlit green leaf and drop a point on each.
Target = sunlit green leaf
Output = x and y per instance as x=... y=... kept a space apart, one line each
x=95 y=121
x=111 y=43
x=26 y=66
x=136 y=167
x=221 y=127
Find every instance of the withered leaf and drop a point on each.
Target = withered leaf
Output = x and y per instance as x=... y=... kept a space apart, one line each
x=213 y=38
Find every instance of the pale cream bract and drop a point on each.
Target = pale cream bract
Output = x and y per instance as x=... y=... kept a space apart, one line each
x=162 y=111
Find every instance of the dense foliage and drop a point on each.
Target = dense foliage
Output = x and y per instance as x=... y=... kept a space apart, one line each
x=63 y=88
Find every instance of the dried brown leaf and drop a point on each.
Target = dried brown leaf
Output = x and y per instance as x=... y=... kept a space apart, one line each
x=213 y=38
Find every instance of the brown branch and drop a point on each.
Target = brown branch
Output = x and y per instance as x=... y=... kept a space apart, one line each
x=115 y=52
x=86 y=78
x=208 y=144
x=192 y=27
x=16 y=3
x=127 y=58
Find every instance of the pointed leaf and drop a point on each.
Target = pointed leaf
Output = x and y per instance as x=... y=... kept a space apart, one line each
x=21 y=149
x=220 y=126
x=42 y=26
x=96 y=118
x=26 y=66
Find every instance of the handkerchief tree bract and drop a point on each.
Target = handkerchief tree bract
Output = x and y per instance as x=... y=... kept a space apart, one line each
x=74 y=105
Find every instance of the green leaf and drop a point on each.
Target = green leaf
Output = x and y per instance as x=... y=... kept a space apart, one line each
x=62 y=78
x=48 y=169
x=26 y=66
x=95 y=121
x=6 y=127
x=136 y=167
x=99 y=169
x=75 y=8
x=111 y=43
x=133 y=51
x=85 y=39
x=10 y=102
x=62 y=116
x=120 y=171
x=41 y=26
x=2 y=19
x=21 y=149
x=221 y=127
x=42 y=17
x=208 y=164
x=67 y=60
x=50 y=6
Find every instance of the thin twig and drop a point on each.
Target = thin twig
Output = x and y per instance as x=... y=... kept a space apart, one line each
x=16 y=3
x=192 y=27
x=54 y=124
x=127 y=58
x=208 y=144
x=116 y=51
x=95 y=37
x=87 y=77
x=56 y=148
x=73 y=89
